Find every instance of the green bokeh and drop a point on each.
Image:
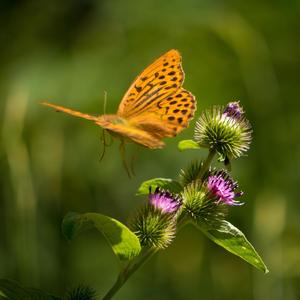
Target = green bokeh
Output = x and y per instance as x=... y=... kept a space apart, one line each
x=70 y=52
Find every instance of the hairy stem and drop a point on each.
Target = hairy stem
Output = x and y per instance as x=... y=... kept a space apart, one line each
x=127 y=271
x=207 y=163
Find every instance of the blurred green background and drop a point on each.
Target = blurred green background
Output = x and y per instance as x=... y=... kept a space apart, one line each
x=70 y=52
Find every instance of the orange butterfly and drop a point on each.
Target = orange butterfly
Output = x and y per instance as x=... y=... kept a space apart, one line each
x=154 y=107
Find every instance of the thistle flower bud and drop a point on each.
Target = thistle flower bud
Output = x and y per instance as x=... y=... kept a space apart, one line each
x=200 y=208
x=207 y=202
x=155 y=223
x=226 y=130
x=233 y=110
x=81 y=292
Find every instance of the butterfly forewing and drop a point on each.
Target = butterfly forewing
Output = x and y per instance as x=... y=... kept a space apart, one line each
x=156 y=102
x=157 y=82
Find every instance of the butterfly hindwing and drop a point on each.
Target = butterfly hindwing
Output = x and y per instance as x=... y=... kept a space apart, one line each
x=179 y=110
x=130 y=132
x=170 y=118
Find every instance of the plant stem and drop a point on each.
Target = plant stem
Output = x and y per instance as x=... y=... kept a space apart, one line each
x=206 y=164
x=182 y=220
x=126 y=272
x=182 y=224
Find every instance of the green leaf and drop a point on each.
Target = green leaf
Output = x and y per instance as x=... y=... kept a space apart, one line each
x=12 y=290
x=165 y=183
x=123 y=241
x=233 y=240
x=188 y=144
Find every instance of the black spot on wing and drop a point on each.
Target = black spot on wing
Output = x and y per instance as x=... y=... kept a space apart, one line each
x=138 y=88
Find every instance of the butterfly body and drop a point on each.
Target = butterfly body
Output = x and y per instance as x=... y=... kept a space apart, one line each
x=154 y=107
x=105 y=120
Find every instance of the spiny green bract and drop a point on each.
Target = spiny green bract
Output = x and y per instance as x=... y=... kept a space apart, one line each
x=81 y=293
x=229 y=136
x=200 y=207
x=153 y=228
x=190 y=174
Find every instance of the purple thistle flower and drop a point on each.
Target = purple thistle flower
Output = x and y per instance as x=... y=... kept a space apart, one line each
x=222 y=187
x=233 y=110
x=164 y=201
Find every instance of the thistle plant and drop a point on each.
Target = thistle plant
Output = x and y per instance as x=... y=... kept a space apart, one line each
x=202 y=195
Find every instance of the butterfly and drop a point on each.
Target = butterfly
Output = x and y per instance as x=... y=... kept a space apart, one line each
x=154 y=107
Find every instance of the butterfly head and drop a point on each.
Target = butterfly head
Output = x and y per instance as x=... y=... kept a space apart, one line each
x=106 y=121
x=112 y=123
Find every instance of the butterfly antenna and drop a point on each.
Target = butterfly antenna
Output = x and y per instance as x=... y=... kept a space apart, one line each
x=122 y=151
x=105 y=102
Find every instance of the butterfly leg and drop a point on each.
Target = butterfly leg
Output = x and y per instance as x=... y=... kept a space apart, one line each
x=133 y=159
x=103 y=141
x=122 y=151
x=106 y=141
